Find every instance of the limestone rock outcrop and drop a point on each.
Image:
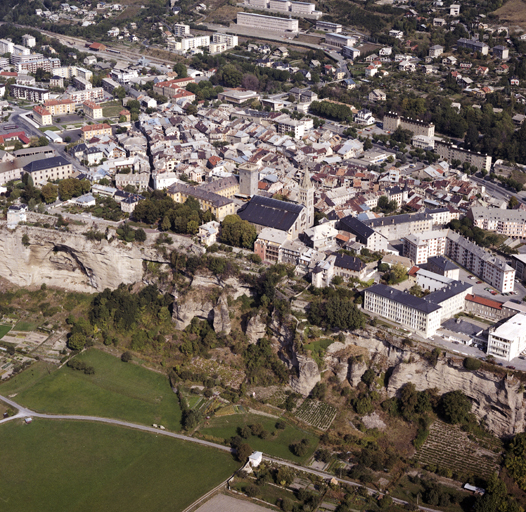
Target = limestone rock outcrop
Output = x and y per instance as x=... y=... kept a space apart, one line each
x=256 y=328
x=222 y=316
x=495 y=399
x=308 y=375
x=69 y=260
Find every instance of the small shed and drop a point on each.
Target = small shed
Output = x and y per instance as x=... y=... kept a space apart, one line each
x=255 y=459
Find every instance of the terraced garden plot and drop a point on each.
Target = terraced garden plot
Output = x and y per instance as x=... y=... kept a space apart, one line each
x=447 y=446
x=317 y=414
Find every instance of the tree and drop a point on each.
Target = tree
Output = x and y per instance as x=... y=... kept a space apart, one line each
x=516 y=460
x=181 y=70
x=25 y=240
x=43 y=141
x=455 y=406
x=119 y=92
x=191 y=110
x=126 y=357
x=49 y=193
x=243 y=452
x=237 y=232
x=318 y=391
x=470 y=363
x=513 y=203
x=231 y=76
x=342 y=313
x=77 y=341
x=368 y=377
x=140 y=235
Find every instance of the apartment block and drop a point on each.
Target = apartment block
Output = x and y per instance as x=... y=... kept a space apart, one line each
x=339 y=40
x=508 y=340
x=262 y=22
x=392 y=121
x=29 y=93
x=511 y=223
x=95 y=130
x=491 y=269
x=49 y=169
x=60 y=107
x=95 y=94
x=418 y=248
x=92 y=110
x=181 y=30
x=227 y=39
x=42 y=116
x=473 y=45
x=451 y=152
x=401 y=226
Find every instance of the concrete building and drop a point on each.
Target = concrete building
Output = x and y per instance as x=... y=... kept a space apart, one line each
x=92 y=110
x=418 y=248
x=451 y=152
x=511 y=223
x=508 y=340
x=49 y=169
x=6 y=46
x=189 y=43
x=248 y=179
x=392 y=121
x=228 y=39
x=397 y=227
x=486 y=308
x=16 y=213
x=208 y=233
x=29 y=40
x=271 y=23
x=181 y=30
x=268 y=244
x=42 y=116
x=350 y=52
x=444 y=267
x=501 y=52
x=340 y=40
x=429 y=281
x=25 y=92
x=436 y=51
x=79 y=97
x=491 y=269
x=414 y=313
x=473 y=45
x=238 y=96
x=326 y=26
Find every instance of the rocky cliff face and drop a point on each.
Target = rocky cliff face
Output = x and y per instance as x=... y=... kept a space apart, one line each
x=496 y=400
x=69 y=260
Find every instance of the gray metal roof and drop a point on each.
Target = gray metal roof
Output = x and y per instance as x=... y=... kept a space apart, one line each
x=403 y=298
x=271 y=213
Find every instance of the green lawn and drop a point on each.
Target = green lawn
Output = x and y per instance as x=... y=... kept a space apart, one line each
x=25 y=326
x=4 y=329
x=50 y=128
x=112 y=111
x=81 y=467
x=117 y=390
x=227 y=427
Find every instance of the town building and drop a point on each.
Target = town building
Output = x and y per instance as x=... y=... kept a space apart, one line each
x=350 y=52
x=181 y=30
x=486 y=308
x=392 y=121
x=518 y=262
x=501 y=52
x=340 y=40
x=397 y=227
x=450 y=152
x=429 y=281
x=29 y=41
x=327 y=26
x=436 y=51
x=367 y=236
x=49 y=169
x=79 y=97
x=95 y=130
x=474 y=45
x=511 y=223
x=228 y=39
x=271 y=23
x=265 y=212
x=441 y=265
x=60 y=107
x=248 y=179
x=24 y=92
x=268 y=244
x=16 y=213
x=508 y=340
x=306 y=197
x=42 y=116
x=419 y=247
x=491 y=269
x=92 y=110
x=218 y=205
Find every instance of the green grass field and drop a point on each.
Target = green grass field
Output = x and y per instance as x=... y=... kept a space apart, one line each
x=111 y=111
x=227 y=426
x=81 y=467
x=117 y=390
x=25 y=326
x=4 y=329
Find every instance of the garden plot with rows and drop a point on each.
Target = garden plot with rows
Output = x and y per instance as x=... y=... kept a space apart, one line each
x=448 y=447
x=317 y=414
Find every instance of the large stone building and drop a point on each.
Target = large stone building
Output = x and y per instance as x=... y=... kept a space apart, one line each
x=248 y=179
x=264 y=212
x=49 y=169
x=95 y=130
x=365 y=235
x=399 y=226
x=393 y=121
x=263 y=23
x=306 y=197
x=60 y=107
x=451 y=152
x=491 y=269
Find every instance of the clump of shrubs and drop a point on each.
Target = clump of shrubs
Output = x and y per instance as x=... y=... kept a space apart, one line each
x=81 y=366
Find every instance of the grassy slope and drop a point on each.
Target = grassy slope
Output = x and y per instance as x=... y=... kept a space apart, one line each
x=226 y=427
x=4 y=329
x=117 y=390
x=81 y=467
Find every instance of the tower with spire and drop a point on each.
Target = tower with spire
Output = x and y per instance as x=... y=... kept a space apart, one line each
x=306 y=197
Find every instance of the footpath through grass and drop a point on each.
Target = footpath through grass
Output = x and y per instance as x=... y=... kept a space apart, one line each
x=81 y=467
x=118 y=390
x=278 y=444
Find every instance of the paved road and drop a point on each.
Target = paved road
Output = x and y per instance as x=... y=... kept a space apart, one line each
x=24 y=412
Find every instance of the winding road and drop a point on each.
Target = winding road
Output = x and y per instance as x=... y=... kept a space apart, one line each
x=24 y=412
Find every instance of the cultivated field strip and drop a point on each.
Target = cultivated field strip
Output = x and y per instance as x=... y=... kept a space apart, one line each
x=447 y=446
x=317 y=414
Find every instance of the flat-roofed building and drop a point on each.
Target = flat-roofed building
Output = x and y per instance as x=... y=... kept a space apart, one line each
x=429 y=281
x=327 y=26
x=268 y=244
x=271 y=23
x=508 y=341
x=238 y=96
x=25 y=92
x=228 y=39
x=518 y=262
x=79 y=97
x=420 y=247
x=340 y=40
x=451 y=152
x=392 y=121
x=181 y=30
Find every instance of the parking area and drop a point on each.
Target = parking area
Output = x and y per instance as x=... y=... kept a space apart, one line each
x=485 y=290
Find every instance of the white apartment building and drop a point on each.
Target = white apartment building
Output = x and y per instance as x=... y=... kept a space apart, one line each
x=511 y=223
x=262 y=22
x=414 y=313
x=491 y=269
x=29 y=41
x=227 y=39
x=18 y=49
x=6 y=46
x=181 y=30
x=508 y=340
x=340 y=40
x=95 y=94
x=327 y=26
x=418 y=248
x=189 y=43
x=430 y=281
x=82 y=84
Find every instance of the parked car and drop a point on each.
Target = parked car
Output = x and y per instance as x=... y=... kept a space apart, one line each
x=493 y=292
x=511 y=367
x=479 y=282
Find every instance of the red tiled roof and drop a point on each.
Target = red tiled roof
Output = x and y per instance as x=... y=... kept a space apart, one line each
x=94 y=127
x=21 y=136
x=413 y=270
x=485 y=302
